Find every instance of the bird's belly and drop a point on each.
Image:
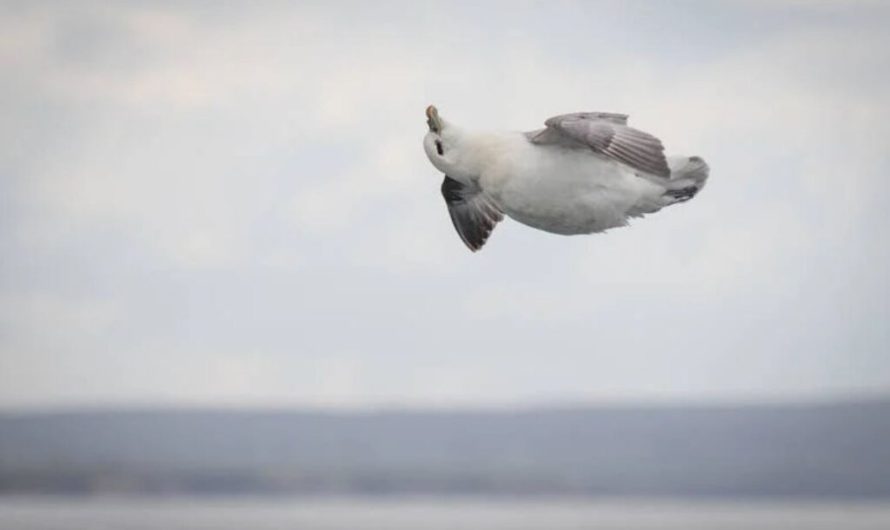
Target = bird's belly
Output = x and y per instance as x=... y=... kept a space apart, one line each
x=575 y=194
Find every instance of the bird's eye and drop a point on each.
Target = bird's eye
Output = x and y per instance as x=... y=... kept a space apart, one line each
x=439 y=148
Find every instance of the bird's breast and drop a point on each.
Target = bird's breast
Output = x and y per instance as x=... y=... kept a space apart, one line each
x=567 y=191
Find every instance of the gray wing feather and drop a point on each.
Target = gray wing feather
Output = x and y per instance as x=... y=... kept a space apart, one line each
x=609 y=135
x=473 y=214
x=620 y=119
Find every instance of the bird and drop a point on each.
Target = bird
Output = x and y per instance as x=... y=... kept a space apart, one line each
x=583 y=173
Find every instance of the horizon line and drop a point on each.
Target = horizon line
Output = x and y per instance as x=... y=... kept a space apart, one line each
x=863 y=398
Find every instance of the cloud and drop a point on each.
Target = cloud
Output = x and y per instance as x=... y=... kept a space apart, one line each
x=242 y=192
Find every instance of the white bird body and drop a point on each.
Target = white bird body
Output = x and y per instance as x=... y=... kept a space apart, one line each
x=551 y=183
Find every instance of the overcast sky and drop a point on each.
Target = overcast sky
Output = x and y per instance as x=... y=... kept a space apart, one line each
x=230 y=205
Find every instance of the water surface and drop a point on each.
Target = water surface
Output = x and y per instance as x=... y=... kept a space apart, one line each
x=47 y=513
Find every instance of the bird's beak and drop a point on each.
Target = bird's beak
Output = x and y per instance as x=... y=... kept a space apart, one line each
x=433 y=120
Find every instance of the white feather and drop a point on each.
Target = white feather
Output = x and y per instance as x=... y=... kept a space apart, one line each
x=552 y=187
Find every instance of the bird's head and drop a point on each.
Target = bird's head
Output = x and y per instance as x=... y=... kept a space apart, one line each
x=442 y=143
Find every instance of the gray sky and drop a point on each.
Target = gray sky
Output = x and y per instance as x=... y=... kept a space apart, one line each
x=224 y=205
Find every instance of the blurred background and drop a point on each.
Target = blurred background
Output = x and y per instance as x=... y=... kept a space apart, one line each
x=227 y=272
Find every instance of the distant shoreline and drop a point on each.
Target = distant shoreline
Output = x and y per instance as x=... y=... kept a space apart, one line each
x=820 y=451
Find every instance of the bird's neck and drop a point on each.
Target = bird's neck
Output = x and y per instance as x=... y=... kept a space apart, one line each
x=478 y=150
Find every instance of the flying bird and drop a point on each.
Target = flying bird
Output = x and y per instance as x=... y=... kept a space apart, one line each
x=582 y=173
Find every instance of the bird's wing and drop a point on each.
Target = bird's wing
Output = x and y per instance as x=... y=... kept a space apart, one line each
x=608 y=135
x=473 y=213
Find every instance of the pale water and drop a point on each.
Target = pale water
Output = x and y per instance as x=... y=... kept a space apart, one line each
x=27 y=513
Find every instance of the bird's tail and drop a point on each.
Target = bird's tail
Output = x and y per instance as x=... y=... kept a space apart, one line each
x=688 y=177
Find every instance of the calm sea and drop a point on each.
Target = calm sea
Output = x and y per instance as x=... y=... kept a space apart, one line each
x=26 y=513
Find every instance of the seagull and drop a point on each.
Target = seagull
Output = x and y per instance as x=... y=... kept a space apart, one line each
x=582 y=173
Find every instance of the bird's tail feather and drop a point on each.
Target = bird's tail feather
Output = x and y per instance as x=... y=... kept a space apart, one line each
x=688 y=177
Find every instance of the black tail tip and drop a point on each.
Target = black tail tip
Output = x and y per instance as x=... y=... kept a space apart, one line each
x=683 y=194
